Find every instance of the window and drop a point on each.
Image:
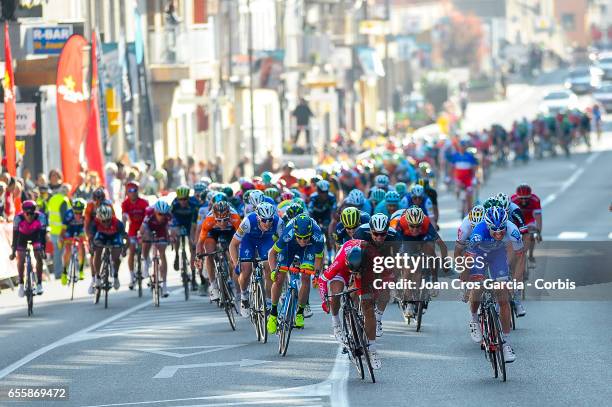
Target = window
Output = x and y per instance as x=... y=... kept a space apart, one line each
x=568 y=21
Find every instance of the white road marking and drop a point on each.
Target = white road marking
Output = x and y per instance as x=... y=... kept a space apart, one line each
x=610 y=235
x=572 y=235
x=571 y=180
x=203 y=349
x=168 y=372
x=78 y=336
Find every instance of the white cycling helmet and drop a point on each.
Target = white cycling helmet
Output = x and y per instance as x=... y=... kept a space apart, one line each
x=503 y=200
x=256 y=197
x=161 y=207
x=104 y=212
x=265 y=210
x=379 y=223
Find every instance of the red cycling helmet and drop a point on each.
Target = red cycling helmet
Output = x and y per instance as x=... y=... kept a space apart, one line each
x=132 y=185
x=523 y=191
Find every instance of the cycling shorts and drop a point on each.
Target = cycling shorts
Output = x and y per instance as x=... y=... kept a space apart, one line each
x=72 y=233
x=250 y=247
x=108 y=240
x=221 y=234
x=496 y=262
x=306 y=255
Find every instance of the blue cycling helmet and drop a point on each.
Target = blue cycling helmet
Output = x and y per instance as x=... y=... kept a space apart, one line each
x=392 y=198
x=496 y=219
x=401 y=188
x=161 y=207
x=198 y=188
x=356 y=197
x=381 y=180
x=218 y=197
x=377 y=194
x=354 y=258
x=302 y=226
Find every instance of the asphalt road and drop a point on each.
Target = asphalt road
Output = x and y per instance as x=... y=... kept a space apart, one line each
x=185 y=354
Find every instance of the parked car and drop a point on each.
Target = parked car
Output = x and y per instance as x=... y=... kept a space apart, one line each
x=604 y=61
x=558 y=101
x=603 y=95
x=584 y=79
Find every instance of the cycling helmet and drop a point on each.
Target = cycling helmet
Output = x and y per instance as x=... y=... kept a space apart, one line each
x=315 y=179
x=354 y=257
x=422 y=182
x=182 y=192
x=496 y=219
x=490 y=203
x=206 y=181
x=287 y=195
x=392 y=198
x=476 y=214
x=417 y=191
x=104 y=212
x=302 y=182
x=523 y=191
x=381 y=181
x=198 y=187
x=272 y=193
x=203 y=195
x=379 y=223
x=221 y=210
x=414 y=216
x=265 y=210
x=28 y=206
x=161 y=207
x=303 y=226
x=294 y=210
x=350 y=217
x=357 y=197
x=99 y=194
x=247 y=185
x=401 y=188
x=228 y=191
x=377 y=194
x=219 y=197
x=132 y=185
x=266 y=177
x=78 y=204
x=256 y=197
x=323 y=186
x=504 y=201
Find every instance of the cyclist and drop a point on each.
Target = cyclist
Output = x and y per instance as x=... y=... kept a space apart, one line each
x=357 y=199
x=355 y=256
x=377 y=195
x=432 y=194
x=464 y=171
x=107 y=230
x=418 y=198
x=293 y=210
x=98 y=198
x=382 y=236
x=321 y=207
x=74 y=223
x=382 y=182
x=531 y=209
x=29 y=225
x=220 y=224
x=273 y=193
x=488 y=242
x=133 y=209
x=154 y=231
x=350 y=219
x=417 y=229
x=254 y=237
x=301 y=238
x=402 y=189
x=389 y=205
x=184 y=220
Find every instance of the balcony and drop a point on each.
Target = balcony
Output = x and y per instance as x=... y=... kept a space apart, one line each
x=176 y=53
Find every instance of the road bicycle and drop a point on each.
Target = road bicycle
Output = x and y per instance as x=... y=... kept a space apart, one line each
x=30 y=279
x=138 y=266
x=73 y=265
x=257 y=300
x=106 y=271
x=155 y=275
x=353 y=328
x=492 y=340
x=185 y=275
x=226 y=294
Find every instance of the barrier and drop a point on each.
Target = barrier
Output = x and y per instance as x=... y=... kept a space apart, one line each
x=8 y=268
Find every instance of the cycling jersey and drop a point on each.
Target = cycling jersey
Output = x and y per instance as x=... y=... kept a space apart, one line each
x=91 y=208
x=184 y=216
x=426 y=204
x=288 y=247
x=152 y=224
x=135 y=211
x=110 y=233
x=24 y=231
x=464 y=167
x=425 y=233
x=73 y=227
x=202 y=213
x=516 y=216
x=464 y=231
x=382 y=208
x=490 y=253
x=213 y=229
x=321 y=210
x=253 y=240
x=529 y=208
x=341 y=236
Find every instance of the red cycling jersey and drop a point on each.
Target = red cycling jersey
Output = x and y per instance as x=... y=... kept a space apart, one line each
x=153 y=224
x=529 y=208
x=135 y=212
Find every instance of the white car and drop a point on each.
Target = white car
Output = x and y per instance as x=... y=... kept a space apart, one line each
x=604 y=61
x=584 y=79
x=558 y=101
x=603 y=96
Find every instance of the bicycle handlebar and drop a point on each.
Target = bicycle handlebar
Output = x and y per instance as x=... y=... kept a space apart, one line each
x=296 y=270
x=340 y=294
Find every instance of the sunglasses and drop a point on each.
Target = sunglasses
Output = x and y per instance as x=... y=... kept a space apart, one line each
x=353 y=228
x=497 y=229
x=183 y=199
x=379 y=234
x=302 y=238
x=30 y=212
x=413 y=227
x=132 y=190
x=222 y=219
x=268 y=220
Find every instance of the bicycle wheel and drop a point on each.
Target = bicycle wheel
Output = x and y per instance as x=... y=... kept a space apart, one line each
x=261 y=310
x=185 y=283
x=363 y=342
x=490 y=342
x=513 y=314
x=288 y=321
x=30 y=293
x=139 y=272
x=419 y=315
x=253 y=310
x=499 y=354
x=350 y=332
x=156 y=287
x=106 y=289
x=229 y=306
x=72 y=276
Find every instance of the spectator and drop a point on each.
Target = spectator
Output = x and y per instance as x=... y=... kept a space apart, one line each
x=41 y=180
x=43 y=199
x=57 y=206
x=287 y=177
x=81 y=190
x=27 y=180
x=55 y=180
x=111 y=171
x=302 y=114
x=2 y=198
x=267 y=164
x=168 y=166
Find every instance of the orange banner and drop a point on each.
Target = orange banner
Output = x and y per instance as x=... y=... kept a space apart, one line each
x=93 y=144
x=72 y=98
x=10 y=109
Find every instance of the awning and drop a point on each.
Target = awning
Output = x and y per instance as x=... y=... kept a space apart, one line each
x=370 y=62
